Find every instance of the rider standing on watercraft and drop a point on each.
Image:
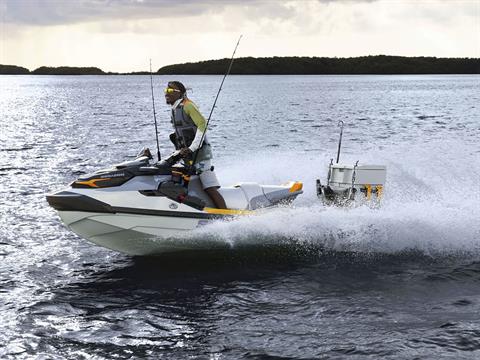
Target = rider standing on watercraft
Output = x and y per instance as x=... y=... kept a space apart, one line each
x=189 y=126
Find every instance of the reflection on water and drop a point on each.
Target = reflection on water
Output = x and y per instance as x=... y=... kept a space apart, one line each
x=214 y=303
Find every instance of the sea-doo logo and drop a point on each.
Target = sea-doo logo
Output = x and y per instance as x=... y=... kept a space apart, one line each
x=173 y=206
x=113 y=175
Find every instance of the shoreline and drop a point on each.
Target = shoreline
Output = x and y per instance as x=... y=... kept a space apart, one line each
x=363 y=65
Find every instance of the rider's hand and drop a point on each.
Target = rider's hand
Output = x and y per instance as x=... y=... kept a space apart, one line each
x=185 y=152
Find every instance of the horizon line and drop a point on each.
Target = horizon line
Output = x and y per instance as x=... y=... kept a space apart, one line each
x=220 y=59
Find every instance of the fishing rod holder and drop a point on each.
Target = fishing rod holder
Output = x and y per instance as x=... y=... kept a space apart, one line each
x=341 y=124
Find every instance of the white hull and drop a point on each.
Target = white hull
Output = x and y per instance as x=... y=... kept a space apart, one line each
x=137 y=209
x=133 y=234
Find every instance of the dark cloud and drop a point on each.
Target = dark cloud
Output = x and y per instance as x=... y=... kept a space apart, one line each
x=56 y=12
x=52 y=12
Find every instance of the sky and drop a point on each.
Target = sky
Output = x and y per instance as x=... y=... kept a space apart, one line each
x=122 y=35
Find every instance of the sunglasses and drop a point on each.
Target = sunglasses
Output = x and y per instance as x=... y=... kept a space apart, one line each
x=170 y=90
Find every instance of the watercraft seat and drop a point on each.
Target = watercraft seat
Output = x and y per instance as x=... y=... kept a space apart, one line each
x=234 y=198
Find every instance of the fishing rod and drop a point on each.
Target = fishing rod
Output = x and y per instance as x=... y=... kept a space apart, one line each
x=154 y=113
x=216 y=98
x=340 y=123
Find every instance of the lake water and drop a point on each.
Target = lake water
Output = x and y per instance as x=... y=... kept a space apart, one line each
x=402 y=281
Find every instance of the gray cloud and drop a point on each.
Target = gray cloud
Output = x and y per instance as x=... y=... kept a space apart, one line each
x=59 y=12
x=55 y=12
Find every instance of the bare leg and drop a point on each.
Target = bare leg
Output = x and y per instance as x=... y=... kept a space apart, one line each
x=216 y=197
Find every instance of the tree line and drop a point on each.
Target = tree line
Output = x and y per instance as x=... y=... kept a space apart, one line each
x=379 y=64
x=46 y=70
x=61 y=70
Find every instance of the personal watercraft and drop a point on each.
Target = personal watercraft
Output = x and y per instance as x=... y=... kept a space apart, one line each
x=142 y=208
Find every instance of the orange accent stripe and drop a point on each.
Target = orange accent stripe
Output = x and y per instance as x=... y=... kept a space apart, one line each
x=91 y=182
x=297 y=186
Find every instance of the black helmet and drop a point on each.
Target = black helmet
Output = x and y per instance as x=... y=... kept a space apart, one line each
x=178 y=85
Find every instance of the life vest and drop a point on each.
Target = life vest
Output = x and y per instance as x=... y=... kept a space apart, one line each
x=185 y=130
